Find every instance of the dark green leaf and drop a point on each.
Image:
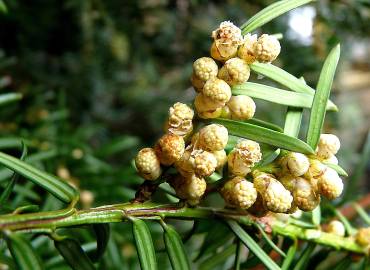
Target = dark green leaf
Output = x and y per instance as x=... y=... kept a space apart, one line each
x=284 y=78
x=218 y=259
x=264 y=135
x=238 y=255
x=336 y=168
x=8 y=189
x=268 y=157
x=293 y=120
x=301 y=264
x=274 y=95
x=316 y=216
x=73 y=254
x=259 y=122
x=217 y=236
x=144 y=245
x=57 y=187
x=271 y=12
x=321 y=97
x=175 y=249
x=290 y=256
x=24 y=255
x=269 y=241
x=102 y=233
x=253 y=260
x=252 y=245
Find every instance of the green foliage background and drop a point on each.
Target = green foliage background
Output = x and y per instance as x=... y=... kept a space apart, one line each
x=98 y=77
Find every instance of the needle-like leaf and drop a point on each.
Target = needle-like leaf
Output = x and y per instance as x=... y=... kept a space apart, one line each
x=336 y=168
x=259 y=122
x=274 y=95
x=218 y=258
x=321 y=97
x=252 y=245
x=269 y=241
x=102 y=233
x=175 y=249
x=271 y=12
x=264 y=135
x=218 y=235
x=144 y=245
x=24 y=255
x=293 y=120
x=60 y=189
x=8 y=189
x=289 y=256
x=284 y=78
x=301 y=264
x=73 y=254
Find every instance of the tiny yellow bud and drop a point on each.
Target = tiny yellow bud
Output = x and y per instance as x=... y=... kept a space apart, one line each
x=336 y=227
x=235 y=71
x=296 y=164
x=243 y=157
x=238 y=192
x=277 y=199
x=241 y=107
x=205 y=163
x=315 y=170
x=185 y=165
x=213 y=137
x=205 y=68
x=246 y=50
x=227 y=38
x=217 y=92
x=147 y=164
x=328 y=146
x=170 y=148
x=267 y=48
x=190 y=188
x=223 y=52
x=205 y=108
x=330 y=184
x=180 y=119
x=221 y=158
x=304 y=195
x=199 y=162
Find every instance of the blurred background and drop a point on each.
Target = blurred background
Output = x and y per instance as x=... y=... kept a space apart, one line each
x=97 y=79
